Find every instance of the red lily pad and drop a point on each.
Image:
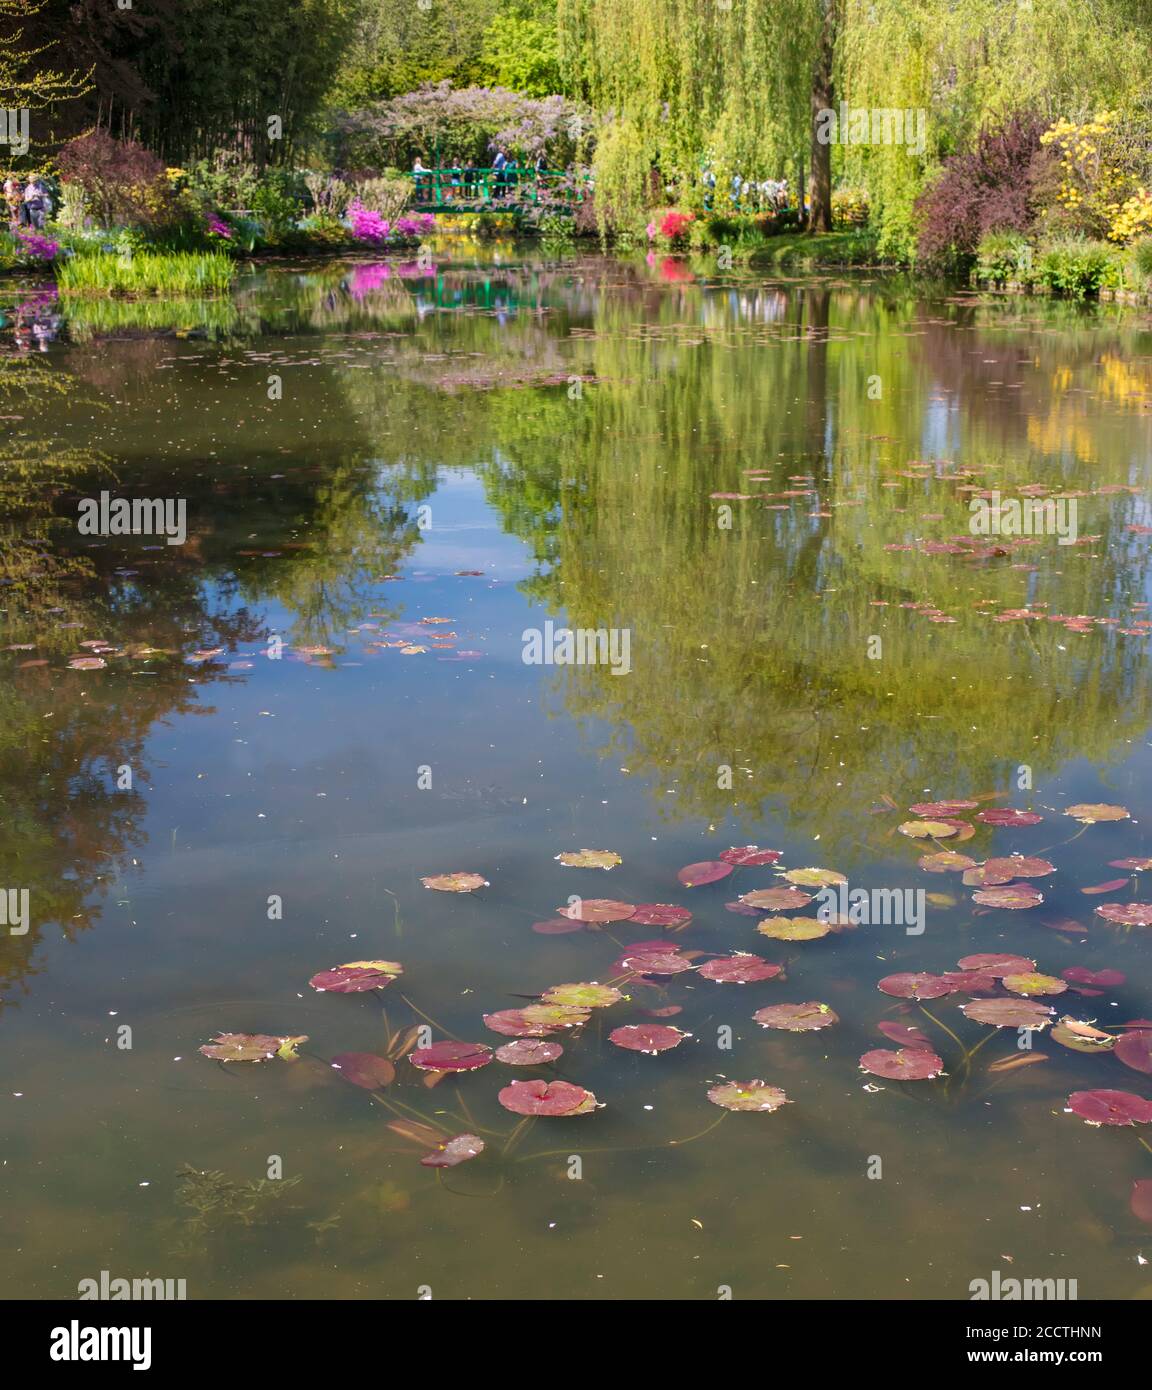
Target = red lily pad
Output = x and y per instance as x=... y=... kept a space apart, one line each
x=1014 y=896
x=749 y=856
x=748 y=1095
x=1110 y=1107
x=740 y=969
x=932 y=809
x=904 y=1034
x=707 y=871
x=365 y=1069
x=1112 y=885
x=356 y=978
x=1137 y=865
x=1141 y=1200
x=1019 y=866
x=528 y=1052
x=776 y=899
x=661 y=915
x=980 y=877
x=1102 y=979
x=459 y=1149
x=1127 y=914
x=969 y=981
x=796 y=1018
x=908 y=1064
x=451 y=1056
x=1135 y=1050
x=553 y=1098
x=1008 y=1013
x=513 y=1024
x=915 y=985
x=996 y=964
x=655 y=963
x=647 y=1037
x=1007 y=816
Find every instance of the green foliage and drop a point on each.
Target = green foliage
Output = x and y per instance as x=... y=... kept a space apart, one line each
x=521 y=54
x=620 y=169
x=179 y=273
x=1140 y=261
x=1003 y=258
x=1079 y=268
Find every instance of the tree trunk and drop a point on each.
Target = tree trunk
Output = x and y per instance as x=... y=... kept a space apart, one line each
x=823 y=99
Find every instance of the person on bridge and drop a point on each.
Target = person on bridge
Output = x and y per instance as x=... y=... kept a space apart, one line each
x=417 y=170
x=499 y=166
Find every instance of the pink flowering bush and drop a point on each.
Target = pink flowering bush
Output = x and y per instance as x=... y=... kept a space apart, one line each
x=37 y=248
x=674 y=225
x=367 y=225
x=218 y=227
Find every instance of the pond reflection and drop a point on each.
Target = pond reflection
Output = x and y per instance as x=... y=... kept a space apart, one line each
x=393 y=473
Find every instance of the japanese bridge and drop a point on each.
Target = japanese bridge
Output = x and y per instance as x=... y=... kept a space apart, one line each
x=467 y=190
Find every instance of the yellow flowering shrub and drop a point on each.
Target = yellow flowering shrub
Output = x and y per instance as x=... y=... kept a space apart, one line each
x=1098 y=189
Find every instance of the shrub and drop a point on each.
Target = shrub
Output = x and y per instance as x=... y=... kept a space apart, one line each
x=1003 y=257
x=389 y=197
x=1095 y=187
x=1078 y=268
x=120 y=182
x=990 y=189
x=1140 y=259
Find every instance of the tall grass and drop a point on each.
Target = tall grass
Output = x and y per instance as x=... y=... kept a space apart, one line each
x=179 y=273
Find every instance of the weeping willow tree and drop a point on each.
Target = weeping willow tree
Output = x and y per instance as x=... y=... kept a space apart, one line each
x=740 y=84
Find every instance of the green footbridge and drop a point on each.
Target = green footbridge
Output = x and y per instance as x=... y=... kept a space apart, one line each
x=469 y=190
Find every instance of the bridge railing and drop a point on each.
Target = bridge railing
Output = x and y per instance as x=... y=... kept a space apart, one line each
x=461 y=189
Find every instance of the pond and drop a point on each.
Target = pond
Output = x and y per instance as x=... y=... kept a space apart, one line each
x=233 y=750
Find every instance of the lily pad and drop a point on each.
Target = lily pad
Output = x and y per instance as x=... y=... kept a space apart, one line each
x=1019 y=866
x=1112 y=885
x=946 y=861
x=1127 y=914
x=365 y=1069
x=1081 y=1037
x=356 y=977
x=1141 y=1200
x=707 y=871
x=1090 y=812
x=969 y=981
x=661 y=915
x=1134 y=1049
x=1110 y=1107
x=796 y=1018
x=749 y=856
x=529 y=1052
x=582 y=996
x=794 y=928
x=554 y=1015
x=1136 y=865
x=942 y=808
x=1007 y=816
x=459 y=1149
x=813 y=878
x=776 y=899
x=598 y=910
x=455 y=883
x=553 y=1098
x=928 y=829
x=1014 y=896
x=907 y=1064
x=451 y=1056
x=1032 y=982
x=997 y=964
x=1101 y=979
x=513 y=1024
x=748 y=1095
x=589 y=859
x=656 y=963
x=915 y=985
x=242 y=1047
x=647 y=1037
x=1008 y=1013
x=740 y=969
